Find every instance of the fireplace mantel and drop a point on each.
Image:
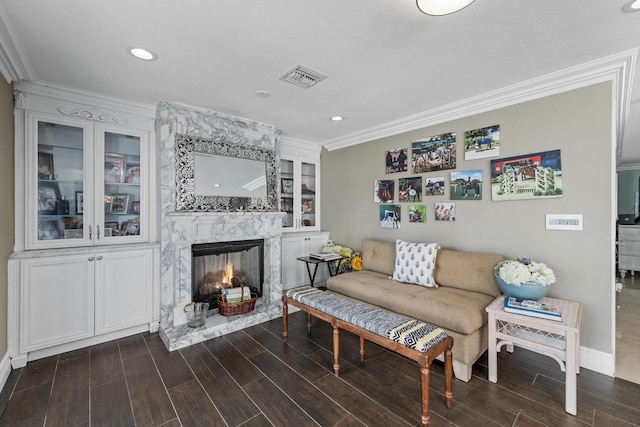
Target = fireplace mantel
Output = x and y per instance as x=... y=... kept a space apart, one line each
x=179 y=230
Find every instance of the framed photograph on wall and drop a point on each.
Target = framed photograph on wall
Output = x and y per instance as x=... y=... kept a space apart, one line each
x=389 y=216
x=434 y=186
x=417 y=213
x=113 y=170
x=396 y=160
x=410 y=189
x=45 y=166
x=445 y=211
x=384 y=191
x=529 y=176
x=482 y=143
x=434 y=153
x=119 y=203
x=48 y=195
x=466 y=185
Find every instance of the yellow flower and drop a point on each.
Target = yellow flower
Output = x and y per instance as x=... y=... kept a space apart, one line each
x=356 y=263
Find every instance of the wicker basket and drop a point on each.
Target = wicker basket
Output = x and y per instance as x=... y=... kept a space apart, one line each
x=241 y=307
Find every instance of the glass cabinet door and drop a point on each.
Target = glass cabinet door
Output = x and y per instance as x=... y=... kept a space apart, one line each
x=308 y=194
x=286 y=193
x=61 y=179
x=121 y=183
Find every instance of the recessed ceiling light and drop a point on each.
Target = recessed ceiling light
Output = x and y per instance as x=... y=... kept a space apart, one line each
x=263 y=94
x=337 y=118
x=143 y=54
x=631 y=6
x=635 y=5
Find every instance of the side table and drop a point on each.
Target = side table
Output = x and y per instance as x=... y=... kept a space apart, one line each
x=315 y=262
x=558 y=340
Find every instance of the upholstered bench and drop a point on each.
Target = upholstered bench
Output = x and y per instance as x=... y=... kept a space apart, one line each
x=411 y=338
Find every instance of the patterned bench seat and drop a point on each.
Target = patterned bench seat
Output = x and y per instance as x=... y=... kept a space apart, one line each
x=411 y=338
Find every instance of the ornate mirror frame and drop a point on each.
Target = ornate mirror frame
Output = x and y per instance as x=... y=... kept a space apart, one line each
x=188 y=201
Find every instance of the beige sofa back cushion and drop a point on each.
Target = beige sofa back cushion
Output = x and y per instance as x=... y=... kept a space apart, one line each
x=471 y=271
x=379 y=256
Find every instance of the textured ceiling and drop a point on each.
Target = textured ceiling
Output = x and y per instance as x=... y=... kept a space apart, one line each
x=384 y=60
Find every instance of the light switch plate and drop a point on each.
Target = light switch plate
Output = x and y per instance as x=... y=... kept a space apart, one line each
x=564 y=222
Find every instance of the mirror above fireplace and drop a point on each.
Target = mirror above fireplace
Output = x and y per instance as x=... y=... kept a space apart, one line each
x=216 y=176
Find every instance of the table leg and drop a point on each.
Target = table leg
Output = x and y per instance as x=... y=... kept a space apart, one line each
x=285 y=320
x=570 y=375
x=492 y=351
x=312 y=277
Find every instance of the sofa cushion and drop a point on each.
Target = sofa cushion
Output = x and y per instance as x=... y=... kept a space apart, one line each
x=450 y=308
x=472 y=271
x=415 y=263
x=379 y=256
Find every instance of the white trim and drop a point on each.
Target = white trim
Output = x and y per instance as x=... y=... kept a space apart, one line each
x=598 y=361
x=14 y=63
x=618 y=69
x=5 y=369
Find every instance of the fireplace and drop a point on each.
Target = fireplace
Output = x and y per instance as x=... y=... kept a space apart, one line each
x=220 y=265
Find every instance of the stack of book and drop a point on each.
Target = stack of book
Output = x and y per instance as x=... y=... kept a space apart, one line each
x=324 y=256
x=532 y=308
x=235 y=294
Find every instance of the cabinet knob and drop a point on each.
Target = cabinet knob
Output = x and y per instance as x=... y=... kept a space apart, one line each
x=91 y=258
x=99 y=257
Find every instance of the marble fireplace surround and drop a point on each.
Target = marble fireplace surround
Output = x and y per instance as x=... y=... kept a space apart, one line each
x=179 y=230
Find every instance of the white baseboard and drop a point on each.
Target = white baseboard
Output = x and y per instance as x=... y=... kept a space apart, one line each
x=5 y=369
x=598 y=361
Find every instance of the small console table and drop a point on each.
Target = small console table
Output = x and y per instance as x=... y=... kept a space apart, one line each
x=558 y=340
x=315 y=262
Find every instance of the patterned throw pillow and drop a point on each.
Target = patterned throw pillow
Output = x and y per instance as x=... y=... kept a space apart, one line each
x=415 y=263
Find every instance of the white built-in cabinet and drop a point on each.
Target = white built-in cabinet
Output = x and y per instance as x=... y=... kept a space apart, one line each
x=294 y=245
x=299 y=188
x=86 y=254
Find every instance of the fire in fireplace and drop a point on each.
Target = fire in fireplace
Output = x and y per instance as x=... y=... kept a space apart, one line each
x=219 y=265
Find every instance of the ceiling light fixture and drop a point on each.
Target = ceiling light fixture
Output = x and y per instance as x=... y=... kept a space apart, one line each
x=441 y=7
x=143 y=54
x=635 y=5
x=337 y=118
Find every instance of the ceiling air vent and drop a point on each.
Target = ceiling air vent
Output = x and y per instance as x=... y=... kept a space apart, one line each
x=303 y=76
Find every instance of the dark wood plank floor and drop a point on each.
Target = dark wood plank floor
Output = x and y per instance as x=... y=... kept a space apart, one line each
x=251 y=378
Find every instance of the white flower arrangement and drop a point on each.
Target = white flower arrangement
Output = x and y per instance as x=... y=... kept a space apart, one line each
x=522 y=270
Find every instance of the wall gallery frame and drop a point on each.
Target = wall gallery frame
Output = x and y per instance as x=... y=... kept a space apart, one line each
x=445 y=211
x=384 y=191
x=434 y=153
x=434 y=186
x=417 y=213
x=482 y=143
x=466 y=185
x=410 y=189
x=529 y=176
x=389 y=216
x=396 y=160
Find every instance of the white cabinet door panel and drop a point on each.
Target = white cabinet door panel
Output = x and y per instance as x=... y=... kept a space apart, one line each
x=57 y=301
x=123 y=289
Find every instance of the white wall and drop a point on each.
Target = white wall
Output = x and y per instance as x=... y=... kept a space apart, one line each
x=579 y=124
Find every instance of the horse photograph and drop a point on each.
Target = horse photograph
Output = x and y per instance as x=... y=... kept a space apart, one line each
x=466 y=185
x=396 y=160
x=389 y=216
x=410 y=189
x=417 y=213
x=434 y=153
x=482 y=143
x=434 y=186
x=530 y=176
x=384 y=191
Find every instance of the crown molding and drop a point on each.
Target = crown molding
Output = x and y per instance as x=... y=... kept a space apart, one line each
x=618 y=68
x=14 y=64
x=300 y=144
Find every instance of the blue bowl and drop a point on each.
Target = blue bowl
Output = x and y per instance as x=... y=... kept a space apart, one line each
x=529 y=290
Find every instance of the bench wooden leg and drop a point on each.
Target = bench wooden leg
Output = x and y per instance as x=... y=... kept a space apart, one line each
x=308 y=323
x=362 y=349
x=425 y=379
x=336 y=350
x=448 y=377
x=285 y=320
